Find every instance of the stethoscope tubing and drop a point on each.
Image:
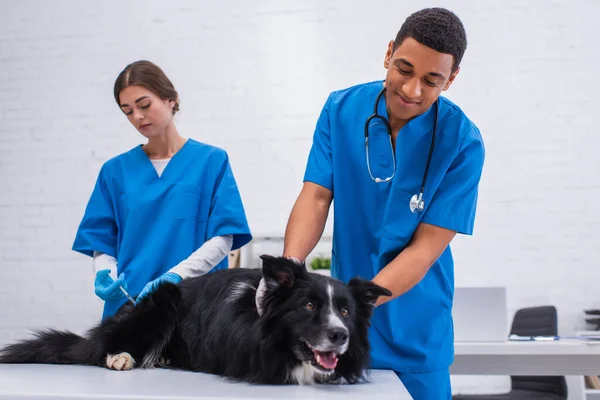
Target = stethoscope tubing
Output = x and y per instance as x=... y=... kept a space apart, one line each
x=420 y=203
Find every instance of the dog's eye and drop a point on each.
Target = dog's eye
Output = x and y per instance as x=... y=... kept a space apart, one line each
x=309 y=306
x=344 y=312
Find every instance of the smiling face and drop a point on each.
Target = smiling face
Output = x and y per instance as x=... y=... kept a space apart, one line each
x=147 y=112
x=416 y=76
x=321 y=321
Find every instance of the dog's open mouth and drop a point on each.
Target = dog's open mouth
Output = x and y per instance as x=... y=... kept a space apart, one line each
x=325 y=360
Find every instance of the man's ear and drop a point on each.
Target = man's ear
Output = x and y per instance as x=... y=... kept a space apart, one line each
x=367 y=292
x=451 y=79
x=277 y=271
x=388 y=55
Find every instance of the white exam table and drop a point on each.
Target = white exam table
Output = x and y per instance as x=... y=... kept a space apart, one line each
x=45 y=382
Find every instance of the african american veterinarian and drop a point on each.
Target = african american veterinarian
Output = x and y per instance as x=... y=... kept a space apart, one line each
x=163 y=211
x=387 y=227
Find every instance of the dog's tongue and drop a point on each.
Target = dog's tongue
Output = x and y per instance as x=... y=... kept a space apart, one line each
x=327 y=359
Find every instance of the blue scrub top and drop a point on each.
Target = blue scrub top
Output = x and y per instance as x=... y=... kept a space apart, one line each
x=151 y=223
x=373 y=223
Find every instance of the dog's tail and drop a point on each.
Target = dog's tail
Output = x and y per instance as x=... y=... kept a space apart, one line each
x=49 y=347
x=144 y=331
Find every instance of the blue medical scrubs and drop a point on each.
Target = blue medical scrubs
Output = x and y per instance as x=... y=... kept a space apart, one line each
x=412 y=334
x=151 y=223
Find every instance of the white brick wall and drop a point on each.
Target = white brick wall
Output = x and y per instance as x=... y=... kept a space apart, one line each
x=252 y=77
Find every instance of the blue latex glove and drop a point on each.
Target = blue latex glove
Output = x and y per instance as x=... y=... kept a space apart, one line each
x=106 y=287
x=151 y=286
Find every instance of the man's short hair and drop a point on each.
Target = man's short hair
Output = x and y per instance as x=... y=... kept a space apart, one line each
x=437 y=28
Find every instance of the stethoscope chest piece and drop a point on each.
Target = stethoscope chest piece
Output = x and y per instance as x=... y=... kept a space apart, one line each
x=417 y=204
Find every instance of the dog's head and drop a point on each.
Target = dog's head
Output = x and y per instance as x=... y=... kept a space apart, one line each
x=322 y=321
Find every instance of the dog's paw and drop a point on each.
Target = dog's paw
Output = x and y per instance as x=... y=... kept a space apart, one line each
x=120 y=362
x=333 y=379
x=164 y=362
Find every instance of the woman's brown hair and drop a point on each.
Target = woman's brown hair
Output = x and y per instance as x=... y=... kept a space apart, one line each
x=149 y=75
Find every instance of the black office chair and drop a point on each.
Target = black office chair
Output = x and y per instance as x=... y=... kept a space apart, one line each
x=532 y=321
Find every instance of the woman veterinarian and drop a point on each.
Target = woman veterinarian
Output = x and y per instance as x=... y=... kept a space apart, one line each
x=163 y=211
x=404 y=165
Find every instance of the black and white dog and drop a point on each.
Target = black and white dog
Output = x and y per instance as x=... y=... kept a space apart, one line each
x=278 y=325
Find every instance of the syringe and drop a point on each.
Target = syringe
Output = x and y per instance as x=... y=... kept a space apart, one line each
x=124 y=291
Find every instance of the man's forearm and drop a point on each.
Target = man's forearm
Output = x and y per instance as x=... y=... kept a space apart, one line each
x=403 y=273
x=306 y=224
x=410 y=266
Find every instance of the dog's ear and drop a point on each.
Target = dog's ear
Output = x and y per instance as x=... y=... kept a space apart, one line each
x=277 y=271
x=367 y=292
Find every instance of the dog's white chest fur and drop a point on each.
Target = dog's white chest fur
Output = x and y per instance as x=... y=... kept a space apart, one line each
x=306 y=374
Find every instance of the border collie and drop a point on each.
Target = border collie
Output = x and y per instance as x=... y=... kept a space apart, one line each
x=277 y=325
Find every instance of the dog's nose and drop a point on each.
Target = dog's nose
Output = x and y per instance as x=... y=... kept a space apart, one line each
x=337 y=336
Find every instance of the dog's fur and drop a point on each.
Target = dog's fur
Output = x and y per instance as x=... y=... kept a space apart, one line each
x=279 y=325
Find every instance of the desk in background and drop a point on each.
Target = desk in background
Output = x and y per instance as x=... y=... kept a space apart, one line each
x=561 y=357
x=573 y=359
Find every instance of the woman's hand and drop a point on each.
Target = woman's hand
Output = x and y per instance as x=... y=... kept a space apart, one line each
x=151 y=286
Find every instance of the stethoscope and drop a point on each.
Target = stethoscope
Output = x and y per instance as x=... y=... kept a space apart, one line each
x=417 y=204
